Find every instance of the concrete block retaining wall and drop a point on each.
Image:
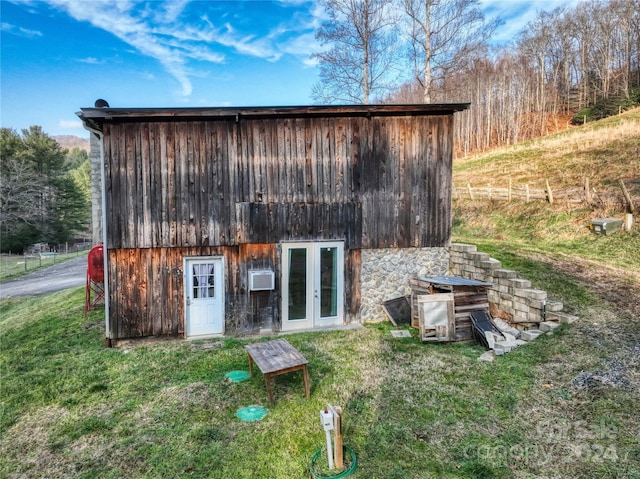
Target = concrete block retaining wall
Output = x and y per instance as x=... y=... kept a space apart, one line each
x=512 y=298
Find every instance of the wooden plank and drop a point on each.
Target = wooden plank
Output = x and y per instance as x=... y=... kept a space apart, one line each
x=288 y=160
x=157 y=294
x=144 y=190
x=111 y=186
x=197 y=174
x=172 y=207
x=254 y=160
x=273 y=162
x=209 y=184
x=337 y=437
x=322 y=151
x=188 y=194
x=229 y=177
x=163 y=200
x=338 y=195
x=155 y=184
x=306 y=182
x=128 y=211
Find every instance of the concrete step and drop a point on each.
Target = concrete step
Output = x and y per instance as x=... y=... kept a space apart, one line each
x=548 y=326
x=561 y=317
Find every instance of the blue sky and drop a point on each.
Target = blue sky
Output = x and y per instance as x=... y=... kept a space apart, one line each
x=60 y=55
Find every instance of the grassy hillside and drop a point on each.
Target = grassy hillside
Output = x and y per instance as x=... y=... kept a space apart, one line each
x=605 y=151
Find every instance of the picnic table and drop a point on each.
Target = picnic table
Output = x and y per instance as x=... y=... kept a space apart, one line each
x=277 y=357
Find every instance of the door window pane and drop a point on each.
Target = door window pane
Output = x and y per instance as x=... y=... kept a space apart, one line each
x=203 y=281
x=328 y=282
x=297 y=283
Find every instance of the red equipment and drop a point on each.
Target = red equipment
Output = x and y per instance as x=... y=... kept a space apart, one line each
x=95 y=278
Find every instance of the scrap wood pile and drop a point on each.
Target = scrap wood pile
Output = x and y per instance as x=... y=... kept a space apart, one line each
x=452 y=308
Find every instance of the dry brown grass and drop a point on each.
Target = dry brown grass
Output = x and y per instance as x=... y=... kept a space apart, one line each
x=604 y=152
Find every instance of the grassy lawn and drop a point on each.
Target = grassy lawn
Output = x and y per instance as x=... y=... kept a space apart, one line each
x=73 y=408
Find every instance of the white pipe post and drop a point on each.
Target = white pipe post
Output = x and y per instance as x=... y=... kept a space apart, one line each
x=329 y=450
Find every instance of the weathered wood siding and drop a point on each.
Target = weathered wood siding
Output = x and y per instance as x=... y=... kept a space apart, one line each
x=374 y=182
x=147 y=287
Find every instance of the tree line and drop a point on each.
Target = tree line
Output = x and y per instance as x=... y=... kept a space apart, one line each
x=44 y=190
x=570 y=64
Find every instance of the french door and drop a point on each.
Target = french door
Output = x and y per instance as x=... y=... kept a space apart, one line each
x=312 y=285
x=204 y=296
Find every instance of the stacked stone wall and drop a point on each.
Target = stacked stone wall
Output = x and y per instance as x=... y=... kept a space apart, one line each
x=385 y=275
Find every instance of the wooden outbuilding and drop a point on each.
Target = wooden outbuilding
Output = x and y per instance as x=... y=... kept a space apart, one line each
x=240 y=220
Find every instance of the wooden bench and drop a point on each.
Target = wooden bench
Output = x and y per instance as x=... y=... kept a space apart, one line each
x=277 y=357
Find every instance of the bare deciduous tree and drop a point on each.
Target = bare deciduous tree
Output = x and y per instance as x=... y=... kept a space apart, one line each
x=444 y=35
x=361 y=36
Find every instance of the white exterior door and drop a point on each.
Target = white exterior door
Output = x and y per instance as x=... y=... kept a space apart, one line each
x=312 y=285
x=204 y=296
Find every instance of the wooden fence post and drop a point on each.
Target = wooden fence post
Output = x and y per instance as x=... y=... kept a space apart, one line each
x=469 y=189
x=587 y=191
x=627 y=196
x=509 y=192
x=526 y=190
x=549 y=192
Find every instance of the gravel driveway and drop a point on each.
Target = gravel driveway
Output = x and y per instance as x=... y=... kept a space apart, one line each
x=69 y=274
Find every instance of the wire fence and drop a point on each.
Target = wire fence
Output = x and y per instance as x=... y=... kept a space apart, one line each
x=12 y=265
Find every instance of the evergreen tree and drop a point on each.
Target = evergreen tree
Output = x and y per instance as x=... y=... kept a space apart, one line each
x=40 y=202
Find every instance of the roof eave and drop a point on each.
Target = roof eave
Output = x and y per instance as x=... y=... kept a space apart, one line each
x=95 y=117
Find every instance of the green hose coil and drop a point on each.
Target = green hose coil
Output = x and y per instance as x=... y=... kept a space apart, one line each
x=340 y=475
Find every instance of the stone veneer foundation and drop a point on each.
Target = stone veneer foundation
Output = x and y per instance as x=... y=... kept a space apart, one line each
x=385 y=275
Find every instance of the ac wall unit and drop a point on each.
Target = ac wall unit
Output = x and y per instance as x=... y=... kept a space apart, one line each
x=262 y=280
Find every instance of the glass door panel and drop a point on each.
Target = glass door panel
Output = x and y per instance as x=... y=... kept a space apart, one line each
x=297 y=284
x=297 y=288
x=328 y=282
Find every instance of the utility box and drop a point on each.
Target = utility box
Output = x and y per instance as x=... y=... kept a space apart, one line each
x=605 y=226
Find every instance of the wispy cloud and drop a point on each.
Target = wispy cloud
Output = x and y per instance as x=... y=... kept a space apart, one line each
x=248 y=44
x=19 y=31
x=171 y=32
x=91 y=61
x=518 y=13
x=154 y=33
